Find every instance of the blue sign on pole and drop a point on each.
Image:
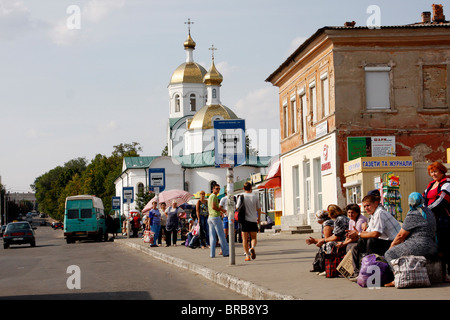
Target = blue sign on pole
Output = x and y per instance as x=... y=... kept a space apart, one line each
x=229 y=143
x=157 y=179
x=128 y=194
x=115 y=203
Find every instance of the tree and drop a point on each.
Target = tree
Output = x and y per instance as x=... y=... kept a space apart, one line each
x=77 y=177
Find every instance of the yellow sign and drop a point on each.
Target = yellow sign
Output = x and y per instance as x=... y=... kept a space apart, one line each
x=378 y=164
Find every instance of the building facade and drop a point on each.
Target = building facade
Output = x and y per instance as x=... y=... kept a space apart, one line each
x=350 y=92
x=194 y=105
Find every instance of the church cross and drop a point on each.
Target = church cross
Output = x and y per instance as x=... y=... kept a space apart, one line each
x=189 y=22
x=212 y=49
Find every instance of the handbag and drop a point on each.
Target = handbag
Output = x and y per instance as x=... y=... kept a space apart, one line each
x=410 y=271
x=149 y=236
x=367 y=273
x=332 y=260
x=241 y=209
x=319 y=261
x=196 y=230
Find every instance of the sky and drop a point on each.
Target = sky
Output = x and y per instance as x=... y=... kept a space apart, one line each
x=78 y=77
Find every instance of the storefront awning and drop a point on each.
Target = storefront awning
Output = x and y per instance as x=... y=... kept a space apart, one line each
x=271 y=183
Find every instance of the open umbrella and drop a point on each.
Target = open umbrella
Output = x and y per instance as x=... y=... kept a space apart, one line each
x=168 y=196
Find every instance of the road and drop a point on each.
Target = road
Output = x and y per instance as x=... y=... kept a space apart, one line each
x=103 y=270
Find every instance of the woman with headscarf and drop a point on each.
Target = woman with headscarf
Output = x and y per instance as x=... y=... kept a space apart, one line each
x=417 y=237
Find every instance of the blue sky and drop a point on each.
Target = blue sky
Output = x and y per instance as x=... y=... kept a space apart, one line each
x=76 y=93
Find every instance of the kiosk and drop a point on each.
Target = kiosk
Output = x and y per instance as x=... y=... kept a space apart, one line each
x=367 y=173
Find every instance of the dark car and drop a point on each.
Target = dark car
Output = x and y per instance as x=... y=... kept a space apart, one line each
x=58 y=225
x=18 y=233
x=3 y=229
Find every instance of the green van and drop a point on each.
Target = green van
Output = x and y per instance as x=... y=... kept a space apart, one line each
x=84 y=218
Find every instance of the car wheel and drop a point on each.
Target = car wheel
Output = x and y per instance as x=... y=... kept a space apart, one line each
x=5 y=246
x=33 y=244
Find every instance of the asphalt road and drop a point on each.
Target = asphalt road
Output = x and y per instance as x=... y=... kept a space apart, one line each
x=55 y=270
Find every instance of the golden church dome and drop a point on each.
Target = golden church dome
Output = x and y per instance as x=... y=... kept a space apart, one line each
x=213 y=77
x=188 y=72
x=189 y=43
x=204 y=117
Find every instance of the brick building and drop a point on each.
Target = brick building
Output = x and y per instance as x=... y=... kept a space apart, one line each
x=355 y=83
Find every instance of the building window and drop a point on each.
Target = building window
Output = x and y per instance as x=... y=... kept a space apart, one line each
x=434 y=86
x=296 y=189
x=317 y=183
x=214 y=93
x=307 y=175
x=140 y=187
x=304 y=108
x=193 y=102
x=325 y=95
x=378 y=88
x=313 y=100
x=285 y=121
x=293 y=116
x=177 y=103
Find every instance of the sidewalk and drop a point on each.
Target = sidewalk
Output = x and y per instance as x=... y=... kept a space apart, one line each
x=279 y=272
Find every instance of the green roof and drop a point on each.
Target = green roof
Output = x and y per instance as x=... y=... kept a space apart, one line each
x=206 y=159
x=138 y=162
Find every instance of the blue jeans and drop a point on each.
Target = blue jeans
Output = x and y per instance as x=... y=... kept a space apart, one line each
x=156 y=229
x=204 y=228
x=216 y=227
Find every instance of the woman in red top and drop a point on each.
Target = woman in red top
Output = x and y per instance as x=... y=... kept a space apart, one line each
x=437 y=198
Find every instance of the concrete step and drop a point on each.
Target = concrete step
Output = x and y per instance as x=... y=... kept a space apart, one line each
x=275 y=229
x=299 y=230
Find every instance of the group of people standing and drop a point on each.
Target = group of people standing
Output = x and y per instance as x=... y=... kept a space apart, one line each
x=424 y=232
x=209 y=224
x=214 y=222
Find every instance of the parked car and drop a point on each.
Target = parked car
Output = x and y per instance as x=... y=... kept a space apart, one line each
x=3 y=229
x=18 y=233
x=58 y=225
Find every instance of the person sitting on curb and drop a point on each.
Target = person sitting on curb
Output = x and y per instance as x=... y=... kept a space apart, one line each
x=381 y=231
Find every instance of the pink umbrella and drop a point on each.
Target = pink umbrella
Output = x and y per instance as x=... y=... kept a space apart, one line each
x=168 y=196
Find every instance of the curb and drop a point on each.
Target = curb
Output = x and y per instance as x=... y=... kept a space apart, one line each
x=231 y=282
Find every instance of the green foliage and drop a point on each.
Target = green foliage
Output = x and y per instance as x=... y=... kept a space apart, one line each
x=78 y=177
x=142 y=198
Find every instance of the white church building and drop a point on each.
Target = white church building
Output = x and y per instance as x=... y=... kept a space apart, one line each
x=194 y=105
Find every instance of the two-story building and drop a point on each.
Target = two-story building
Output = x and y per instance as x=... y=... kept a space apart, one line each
x=355 y=91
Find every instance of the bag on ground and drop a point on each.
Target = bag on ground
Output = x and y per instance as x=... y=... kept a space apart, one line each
x=332 y=260
x=374 y=269
x=410 y=272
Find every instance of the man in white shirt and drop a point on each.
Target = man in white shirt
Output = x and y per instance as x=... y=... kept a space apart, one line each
x=249 y=226
x=380 y=232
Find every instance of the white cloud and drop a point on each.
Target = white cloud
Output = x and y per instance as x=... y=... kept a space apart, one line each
x=294 y=44
x=96 y=10
x=262 y=120
x=33 y=133
x=109 y=127
x=92 y=13
x=14 y=19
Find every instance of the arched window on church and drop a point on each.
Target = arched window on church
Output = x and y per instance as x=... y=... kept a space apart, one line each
x=140 y=187
x=193 y=102
x=177 y=103
x=214 y=94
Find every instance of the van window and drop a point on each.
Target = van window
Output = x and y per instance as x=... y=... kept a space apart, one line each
x=72 y=214
x=86 y=213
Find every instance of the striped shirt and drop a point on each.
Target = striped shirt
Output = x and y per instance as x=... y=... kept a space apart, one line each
x=384 y=223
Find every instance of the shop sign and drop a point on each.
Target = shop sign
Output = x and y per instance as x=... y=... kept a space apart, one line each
x=326 y=166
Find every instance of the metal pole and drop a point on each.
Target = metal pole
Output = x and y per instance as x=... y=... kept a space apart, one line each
x=128 y=219
x=230 y=212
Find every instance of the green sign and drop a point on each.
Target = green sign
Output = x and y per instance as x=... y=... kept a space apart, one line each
x=358 y=147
